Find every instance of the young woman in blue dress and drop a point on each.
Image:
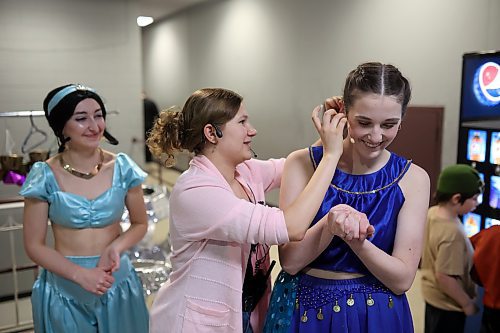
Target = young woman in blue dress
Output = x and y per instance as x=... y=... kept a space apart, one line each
x=86 y=283
x=335 y=283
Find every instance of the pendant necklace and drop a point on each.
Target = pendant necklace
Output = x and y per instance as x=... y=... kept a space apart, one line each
x=84 y=175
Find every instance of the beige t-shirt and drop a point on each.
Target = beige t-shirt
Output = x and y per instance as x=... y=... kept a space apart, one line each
x=448 y=250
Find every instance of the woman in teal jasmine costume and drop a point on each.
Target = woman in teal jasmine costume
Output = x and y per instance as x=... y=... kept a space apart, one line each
x=337 y=283
x=86 y=283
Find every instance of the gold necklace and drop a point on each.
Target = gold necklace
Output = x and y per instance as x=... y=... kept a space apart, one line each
x=407 y=165
x=84 y=175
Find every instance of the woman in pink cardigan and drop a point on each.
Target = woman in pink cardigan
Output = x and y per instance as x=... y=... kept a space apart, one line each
x=217 y=212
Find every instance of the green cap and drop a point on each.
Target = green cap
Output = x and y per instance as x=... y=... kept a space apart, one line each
x=460 y=178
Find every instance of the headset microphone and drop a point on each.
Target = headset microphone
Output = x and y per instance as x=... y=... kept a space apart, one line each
x=218 y=132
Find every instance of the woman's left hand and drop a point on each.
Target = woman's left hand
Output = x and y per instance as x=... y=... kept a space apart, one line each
x=349 y=224
x=110 y=259
x=336 y=103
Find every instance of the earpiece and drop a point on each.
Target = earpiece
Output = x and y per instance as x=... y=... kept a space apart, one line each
x=218 y=132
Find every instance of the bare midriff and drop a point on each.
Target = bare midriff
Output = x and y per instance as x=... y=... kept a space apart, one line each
x=330 y=275
x=84 y=242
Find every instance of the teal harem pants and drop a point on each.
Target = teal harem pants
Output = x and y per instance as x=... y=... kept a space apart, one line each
x=61 y=306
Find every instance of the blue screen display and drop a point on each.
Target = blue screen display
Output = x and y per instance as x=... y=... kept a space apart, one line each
x=476 y=145
x=480 y=87
x=472 y=224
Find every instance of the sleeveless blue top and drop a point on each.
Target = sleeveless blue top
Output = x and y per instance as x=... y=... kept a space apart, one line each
x=377 y=195
x=75 y=211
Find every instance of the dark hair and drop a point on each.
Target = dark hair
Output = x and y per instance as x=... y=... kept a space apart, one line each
x=59 y=109
x=176 y=130
x=377 y=78
x=440 y=197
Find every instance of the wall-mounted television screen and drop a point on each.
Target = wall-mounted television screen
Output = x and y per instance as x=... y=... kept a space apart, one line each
x=476 y=145
x=480 y=196
x=480 y=86
x=488 y=222
x=472 y=224
x=495 y=148
x=495 y=191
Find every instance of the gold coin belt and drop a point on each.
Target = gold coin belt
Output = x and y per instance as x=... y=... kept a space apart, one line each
x=316 y=300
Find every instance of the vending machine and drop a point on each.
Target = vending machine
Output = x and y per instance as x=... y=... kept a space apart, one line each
x=479 y=133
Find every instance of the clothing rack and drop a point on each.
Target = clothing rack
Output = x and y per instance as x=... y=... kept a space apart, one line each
x=18 y=297
x=33 y=129
x=22 y=113
x=35 y=113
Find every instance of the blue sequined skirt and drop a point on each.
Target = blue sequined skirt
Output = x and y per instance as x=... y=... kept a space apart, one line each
x=303 y=303
x=60 y=305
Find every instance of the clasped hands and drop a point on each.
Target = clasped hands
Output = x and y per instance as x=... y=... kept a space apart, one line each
x=349 y=224
x=99 y=279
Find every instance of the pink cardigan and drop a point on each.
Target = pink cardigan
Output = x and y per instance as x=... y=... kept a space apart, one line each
x=211 y=231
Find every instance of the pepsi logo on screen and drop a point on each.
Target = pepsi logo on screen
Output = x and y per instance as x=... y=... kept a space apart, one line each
x=487 y=84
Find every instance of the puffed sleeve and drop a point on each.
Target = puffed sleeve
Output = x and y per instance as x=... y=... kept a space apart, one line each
x=131 y=174
x=35 y=185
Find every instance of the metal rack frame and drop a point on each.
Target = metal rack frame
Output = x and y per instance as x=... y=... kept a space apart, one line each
x=9 y=227
x=22 y=113
x=6 y=227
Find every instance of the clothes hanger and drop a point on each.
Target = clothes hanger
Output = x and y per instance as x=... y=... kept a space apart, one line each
x=33 y=130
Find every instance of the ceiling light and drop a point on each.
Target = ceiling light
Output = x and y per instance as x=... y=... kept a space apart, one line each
x=143 y=21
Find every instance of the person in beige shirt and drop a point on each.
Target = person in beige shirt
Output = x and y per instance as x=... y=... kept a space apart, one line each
x=447 y=287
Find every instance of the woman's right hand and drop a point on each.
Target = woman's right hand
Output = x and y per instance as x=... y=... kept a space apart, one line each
x=96 y=280
x=330 y=129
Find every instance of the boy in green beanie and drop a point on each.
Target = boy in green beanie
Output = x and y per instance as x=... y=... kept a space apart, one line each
x=447 y=287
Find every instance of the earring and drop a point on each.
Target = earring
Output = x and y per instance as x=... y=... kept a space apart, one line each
x=351 y=140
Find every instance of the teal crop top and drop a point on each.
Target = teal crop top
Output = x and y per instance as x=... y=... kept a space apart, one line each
x=75 y=211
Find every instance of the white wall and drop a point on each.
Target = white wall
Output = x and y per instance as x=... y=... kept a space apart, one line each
x=285 y=56
x=47 y=43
